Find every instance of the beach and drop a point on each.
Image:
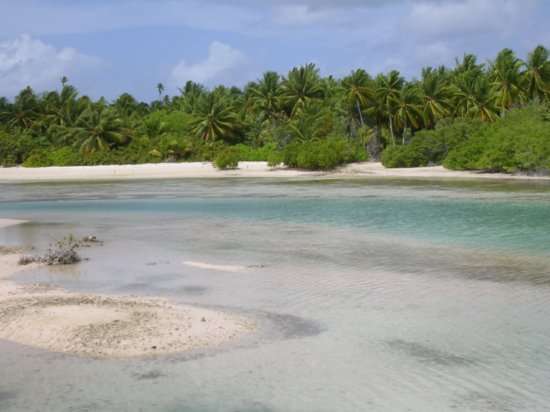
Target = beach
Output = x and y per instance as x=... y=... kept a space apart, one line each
x=201 y=170
x=99 y=326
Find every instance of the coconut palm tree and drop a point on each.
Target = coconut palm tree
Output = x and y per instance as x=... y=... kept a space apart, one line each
x=191 y=93
x=468 y=65
x=265 y=95
x=314 y=121
x=506 y=80
x=388 y=90
x=473 y=97
x=436 y=96
x=98 y=129
x=160 y=89
x=24 y=112
x=358 y=90
x=408 y=109
x=215 y=118
x=301 y=85
x=536 y=74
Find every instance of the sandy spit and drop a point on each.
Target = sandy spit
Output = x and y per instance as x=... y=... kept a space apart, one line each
x=220 y=268
x=107 y=326
x=10 y=222
x=245 y=169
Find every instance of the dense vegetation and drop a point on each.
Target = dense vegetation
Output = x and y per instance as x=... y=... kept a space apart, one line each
x=472 y=116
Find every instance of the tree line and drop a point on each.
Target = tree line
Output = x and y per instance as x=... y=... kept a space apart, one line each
x=301 y=118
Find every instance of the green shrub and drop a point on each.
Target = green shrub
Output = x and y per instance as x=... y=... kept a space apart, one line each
x=255 y=154
x=16 y=146
x=37 y=159
x=275 y=158
x=430 y=147
x=519 y=142
x=227 y=159
x=325 y=154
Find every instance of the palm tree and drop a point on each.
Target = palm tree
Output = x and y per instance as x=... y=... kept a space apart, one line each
x=125 y=105
x=160 y=89
x=24 y=112
x=473 y=97
x=215 y=118
x=388 y=91
x=98 y=129
x=358 y=89
x=537 y=74
x=265 y=95
x=408 y=108
x=61 y=108
x=314 y=121
x=468 y=65
x=191 y=93
x=436 y=96
x=301 y=85
x=505 y=77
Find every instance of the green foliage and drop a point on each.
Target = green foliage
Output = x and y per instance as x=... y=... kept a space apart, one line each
x=65 y=156
x=324 y=154
x=295 y=117
x=429 y=147
x=518 y=142
x=16 y=146
x=255 y=154
x=227 y=159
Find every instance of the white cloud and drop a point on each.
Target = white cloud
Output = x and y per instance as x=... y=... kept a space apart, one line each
x=224 y=64
x=25 y=61
x=469 y=17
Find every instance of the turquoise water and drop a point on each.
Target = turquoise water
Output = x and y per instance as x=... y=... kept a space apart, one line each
x=376 y=295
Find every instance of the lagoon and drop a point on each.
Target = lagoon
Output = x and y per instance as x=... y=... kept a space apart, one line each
x=371 y=294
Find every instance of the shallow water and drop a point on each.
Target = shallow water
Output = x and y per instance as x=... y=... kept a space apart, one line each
x=400 y=295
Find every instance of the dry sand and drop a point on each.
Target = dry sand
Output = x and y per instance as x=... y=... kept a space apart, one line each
x=246 y=169
x=105 y=326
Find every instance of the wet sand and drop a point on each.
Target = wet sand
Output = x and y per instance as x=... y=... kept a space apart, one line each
x=105 y=326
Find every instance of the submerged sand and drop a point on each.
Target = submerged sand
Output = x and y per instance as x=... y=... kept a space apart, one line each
x=105 y=326
x=245 y=169
x=111 y=327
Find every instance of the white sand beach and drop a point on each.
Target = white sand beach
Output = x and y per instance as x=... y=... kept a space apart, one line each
x=104 y=326
x=245 y=169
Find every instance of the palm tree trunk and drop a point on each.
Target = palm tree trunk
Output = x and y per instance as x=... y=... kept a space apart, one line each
x=360 y=114
x=391 y=131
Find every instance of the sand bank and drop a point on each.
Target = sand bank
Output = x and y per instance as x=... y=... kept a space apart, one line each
x=219 y=268
x=106 y=326
x=246 y=169
x=10 y=222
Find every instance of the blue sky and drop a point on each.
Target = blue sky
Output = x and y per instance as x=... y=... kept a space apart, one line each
x=107 y=47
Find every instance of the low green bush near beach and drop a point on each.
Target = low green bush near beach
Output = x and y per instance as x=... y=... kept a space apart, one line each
x=323 y=154
x=227 y=159
x=519 y=142
x=430 y=147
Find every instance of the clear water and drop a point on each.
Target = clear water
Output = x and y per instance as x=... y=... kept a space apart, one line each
x=373 y=295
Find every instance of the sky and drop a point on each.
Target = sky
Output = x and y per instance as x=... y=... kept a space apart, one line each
x=107 y=47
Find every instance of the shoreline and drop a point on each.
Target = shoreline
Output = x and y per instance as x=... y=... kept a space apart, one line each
x=105 y=326
x=202 y=170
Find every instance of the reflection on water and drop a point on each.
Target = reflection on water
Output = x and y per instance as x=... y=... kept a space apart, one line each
x=401 y=296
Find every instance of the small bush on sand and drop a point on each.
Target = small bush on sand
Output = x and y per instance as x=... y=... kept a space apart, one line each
x=227 y=159
x=61 y=252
